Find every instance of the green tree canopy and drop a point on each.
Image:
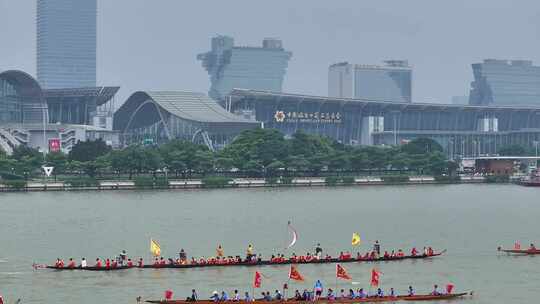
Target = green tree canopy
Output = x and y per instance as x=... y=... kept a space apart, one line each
x=421 y=145
x=88 y=150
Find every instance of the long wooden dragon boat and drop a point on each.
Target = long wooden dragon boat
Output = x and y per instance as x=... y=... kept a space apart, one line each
x=528 y=251
x=427 y=297
x=252 y=263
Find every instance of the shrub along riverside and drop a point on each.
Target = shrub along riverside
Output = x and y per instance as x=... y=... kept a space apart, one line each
x=257 y=153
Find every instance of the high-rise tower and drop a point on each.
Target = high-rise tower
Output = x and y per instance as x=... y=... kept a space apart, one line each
x=390 y=82
x=258 y=68
x=66 y=43
x=505 y=82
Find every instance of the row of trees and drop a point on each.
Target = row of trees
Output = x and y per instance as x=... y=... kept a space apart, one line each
x=257 y=152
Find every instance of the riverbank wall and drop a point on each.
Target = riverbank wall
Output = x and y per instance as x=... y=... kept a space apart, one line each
x=34 y=186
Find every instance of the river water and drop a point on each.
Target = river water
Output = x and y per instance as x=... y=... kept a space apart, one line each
x=468 y=220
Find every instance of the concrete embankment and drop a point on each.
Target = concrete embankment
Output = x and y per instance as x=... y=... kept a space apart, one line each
x=234 y=183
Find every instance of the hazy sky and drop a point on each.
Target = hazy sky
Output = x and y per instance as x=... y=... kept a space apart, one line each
x=152 y=44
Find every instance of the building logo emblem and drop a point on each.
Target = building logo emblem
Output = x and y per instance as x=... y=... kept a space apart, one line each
x=279 y=116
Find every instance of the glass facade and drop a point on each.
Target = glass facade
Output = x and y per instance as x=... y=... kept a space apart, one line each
x=66 y=43
x=391 y=82
x=504 y=82
x=21 y=99
x=10 y=104
x=258 y=68
x=349 y=121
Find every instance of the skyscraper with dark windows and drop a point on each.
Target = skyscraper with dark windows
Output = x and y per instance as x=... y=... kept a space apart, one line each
x=505 y=82
x=258 y=68
x=66 y=43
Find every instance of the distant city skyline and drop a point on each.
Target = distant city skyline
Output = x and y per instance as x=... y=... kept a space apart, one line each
x=159 y=52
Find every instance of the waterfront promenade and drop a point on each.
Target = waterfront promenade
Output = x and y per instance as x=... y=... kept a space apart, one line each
x=236 y=183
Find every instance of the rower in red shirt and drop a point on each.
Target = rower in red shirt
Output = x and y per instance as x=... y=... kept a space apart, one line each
x=114 y=264
x=129 y=263
x=386 y=255
x=58 y=263
x=107 y=263
x=71 y=263
x=140 y=264
x=430 y=251
x=414 y=252
x=98 y=263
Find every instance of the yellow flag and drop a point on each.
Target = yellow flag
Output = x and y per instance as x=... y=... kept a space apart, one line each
x=355 y=239
x=154 y=248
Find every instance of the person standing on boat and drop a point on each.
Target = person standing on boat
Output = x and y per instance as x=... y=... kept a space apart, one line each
x=318 y=288
x=377 y=248
x=219 y=251
x=123 y=258
x=318 y=251
x=182 y=255
x=249 y=252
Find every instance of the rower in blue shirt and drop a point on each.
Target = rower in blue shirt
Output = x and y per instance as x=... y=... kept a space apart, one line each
x=392 y=292
x=247 y=298
x=410 y=291
x=380 y=293
x=224 y=296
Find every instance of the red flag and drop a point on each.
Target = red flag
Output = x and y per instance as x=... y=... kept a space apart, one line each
x=258 y=280
x=375 y=277
x=294 y=274
x=341 y=273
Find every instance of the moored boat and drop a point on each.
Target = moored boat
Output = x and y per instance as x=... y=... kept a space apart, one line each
x=427 y=297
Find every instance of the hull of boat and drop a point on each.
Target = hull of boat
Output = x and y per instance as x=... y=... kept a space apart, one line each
x=521 y=251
